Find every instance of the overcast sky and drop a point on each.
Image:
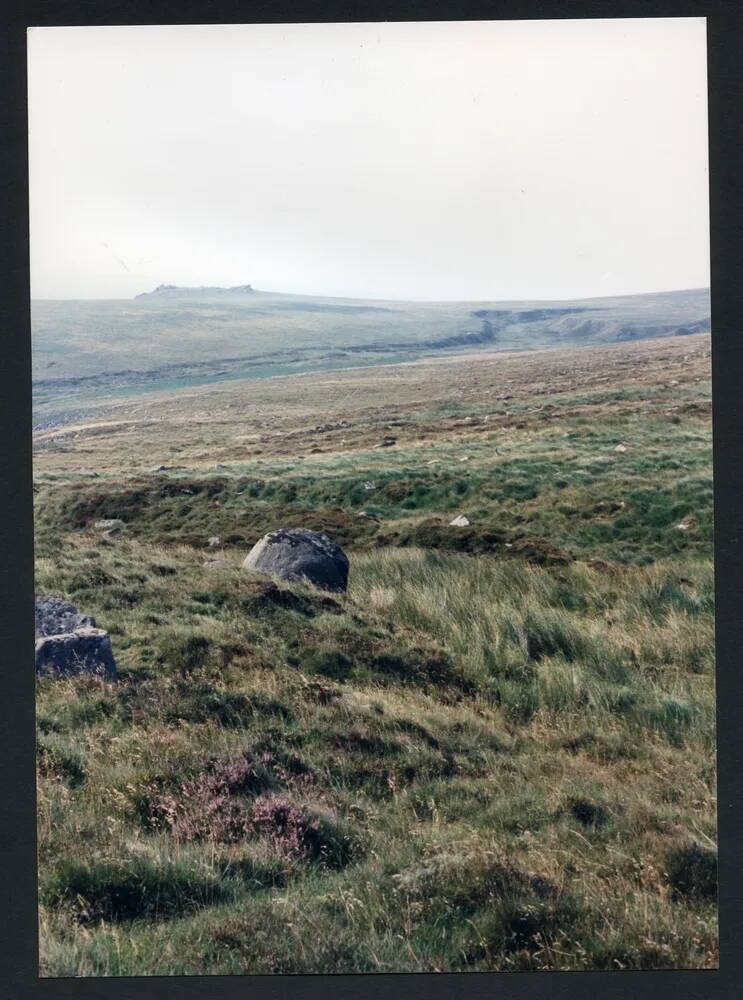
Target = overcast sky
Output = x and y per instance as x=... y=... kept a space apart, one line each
x=486 y=160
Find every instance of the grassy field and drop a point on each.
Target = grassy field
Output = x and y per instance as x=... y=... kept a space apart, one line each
x=496 y=752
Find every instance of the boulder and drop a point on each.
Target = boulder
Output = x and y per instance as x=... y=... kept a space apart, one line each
x=86 y=650
x=459 y=522
x=53 y=615
x=300 y=554
x=68 y=642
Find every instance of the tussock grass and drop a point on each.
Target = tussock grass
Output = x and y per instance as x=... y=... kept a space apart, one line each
x=559 y=740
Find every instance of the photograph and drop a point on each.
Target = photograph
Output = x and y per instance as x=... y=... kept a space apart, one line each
x=373 y=498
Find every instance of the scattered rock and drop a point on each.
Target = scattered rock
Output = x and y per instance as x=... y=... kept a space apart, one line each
x=109 y=524
x=302 y=555
x=70 y=643
x=323 y=428
x=459 y=522
x=369 y=486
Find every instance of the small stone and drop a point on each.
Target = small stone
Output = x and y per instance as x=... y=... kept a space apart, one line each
x=459 y=522
x=214 y=541
x=621 y=448
x=109 y=524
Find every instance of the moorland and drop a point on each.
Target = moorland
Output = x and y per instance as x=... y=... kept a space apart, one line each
x=495 y=752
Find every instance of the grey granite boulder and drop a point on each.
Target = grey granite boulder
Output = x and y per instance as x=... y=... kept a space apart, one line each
x=68 y=642
x=301 y=555
x=84 y=651
x=53 y=615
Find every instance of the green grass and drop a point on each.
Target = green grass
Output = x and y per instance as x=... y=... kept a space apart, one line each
x=570 y=488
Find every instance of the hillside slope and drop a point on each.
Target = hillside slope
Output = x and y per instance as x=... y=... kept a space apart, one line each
x=175 y=337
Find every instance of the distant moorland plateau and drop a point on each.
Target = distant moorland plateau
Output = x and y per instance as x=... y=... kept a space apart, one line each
x=86 y=351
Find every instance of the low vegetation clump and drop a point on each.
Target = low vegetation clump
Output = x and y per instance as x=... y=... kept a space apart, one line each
x=495 y=752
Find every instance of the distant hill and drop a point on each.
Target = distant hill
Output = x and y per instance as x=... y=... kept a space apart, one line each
x=177 y=291
x=173 y=336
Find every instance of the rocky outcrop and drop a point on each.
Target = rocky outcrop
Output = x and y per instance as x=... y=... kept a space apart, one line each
x=68 y=642
x=176 y=291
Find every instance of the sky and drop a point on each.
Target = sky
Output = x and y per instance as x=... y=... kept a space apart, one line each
x=442 y=161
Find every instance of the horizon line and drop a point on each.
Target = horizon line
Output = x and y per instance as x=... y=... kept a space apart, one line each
x=373 y=298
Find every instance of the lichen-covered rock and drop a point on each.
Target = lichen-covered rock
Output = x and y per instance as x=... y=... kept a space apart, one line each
x=300 y=555
x=68 y=642
x=86 y=650
x=53 y=616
